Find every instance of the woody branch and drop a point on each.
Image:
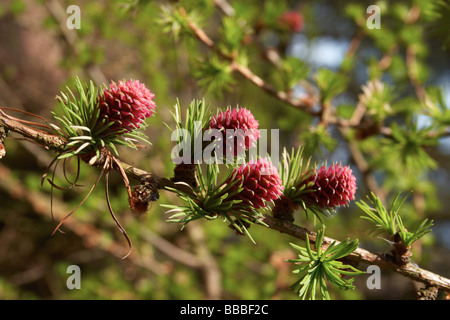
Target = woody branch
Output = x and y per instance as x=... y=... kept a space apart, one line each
x=54 y=142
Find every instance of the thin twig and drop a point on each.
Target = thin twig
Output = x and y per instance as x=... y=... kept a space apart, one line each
x=302 y=104
x=363 y=167
x=411 y=63
x=175 y=253
x=45 y=139
x=305 y=104
x=225 y=7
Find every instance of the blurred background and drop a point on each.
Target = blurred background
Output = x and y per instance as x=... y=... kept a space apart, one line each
x=118 y=40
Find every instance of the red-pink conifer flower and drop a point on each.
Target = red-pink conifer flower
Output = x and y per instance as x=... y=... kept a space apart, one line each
x=291 y=20
x=127 y=104
x=241 y=123
x=261 y=182
x=334 y=187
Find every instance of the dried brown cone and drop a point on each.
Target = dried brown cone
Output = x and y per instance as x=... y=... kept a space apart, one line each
x=142 y=197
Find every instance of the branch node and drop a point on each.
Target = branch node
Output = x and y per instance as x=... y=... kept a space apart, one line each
x=401 y=254
x=284 y=209
x=185 y=173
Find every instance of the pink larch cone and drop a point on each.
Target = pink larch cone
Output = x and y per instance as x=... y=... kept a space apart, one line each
x=242 y=122
x=261 y=183
x=333 y=187
x=127 y=104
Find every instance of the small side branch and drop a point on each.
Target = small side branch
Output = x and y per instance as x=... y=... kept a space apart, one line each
x=45 y=139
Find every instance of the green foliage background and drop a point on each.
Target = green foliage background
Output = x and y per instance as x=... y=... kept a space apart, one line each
x=138 y=39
